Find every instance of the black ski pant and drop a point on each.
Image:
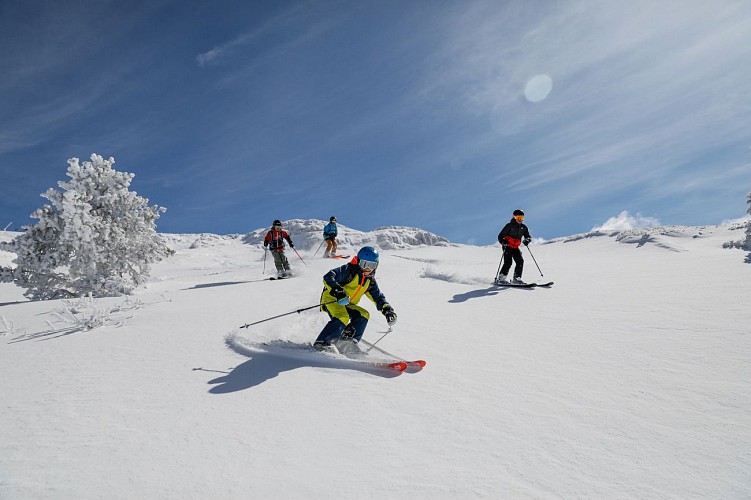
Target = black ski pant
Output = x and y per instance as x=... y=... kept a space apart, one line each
x=280 y=261
x=516 y=255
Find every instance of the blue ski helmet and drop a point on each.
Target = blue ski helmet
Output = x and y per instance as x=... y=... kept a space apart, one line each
x=367 y=258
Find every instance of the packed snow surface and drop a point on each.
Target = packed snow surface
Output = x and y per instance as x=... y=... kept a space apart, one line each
x=629 y=378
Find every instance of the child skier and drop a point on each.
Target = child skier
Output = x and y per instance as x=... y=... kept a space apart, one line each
x=275 y=241
x=343 y=289
x=511 y=236
x=329 y=236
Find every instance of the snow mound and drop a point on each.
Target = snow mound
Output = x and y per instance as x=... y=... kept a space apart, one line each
x=307 y=234
x=666 y=237
x=195 y=241
x=450 y=276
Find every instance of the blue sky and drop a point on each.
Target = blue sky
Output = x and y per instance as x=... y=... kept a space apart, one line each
x=445 y=115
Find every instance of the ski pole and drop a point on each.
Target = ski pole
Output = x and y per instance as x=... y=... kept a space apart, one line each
x=306 y=264
x=500 y=263
x=535 y=260
x=372 y=346
x=265 y=251
x=298 y=311
x=319 y=248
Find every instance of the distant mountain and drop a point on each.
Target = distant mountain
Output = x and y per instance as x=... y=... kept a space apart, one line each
x=307 y=234
x=667 y=237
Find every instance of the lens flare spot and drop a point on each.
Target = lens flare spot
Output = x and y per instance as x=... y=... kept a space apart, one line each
x=538 y=88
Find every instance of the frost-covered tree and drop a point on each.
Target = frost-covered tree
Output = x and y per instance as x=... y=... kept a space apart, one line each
x=95 y=237
x=6 y=274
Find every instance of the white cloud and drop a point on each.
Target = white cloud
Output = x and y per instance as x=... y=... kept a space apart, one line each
x=624 y=221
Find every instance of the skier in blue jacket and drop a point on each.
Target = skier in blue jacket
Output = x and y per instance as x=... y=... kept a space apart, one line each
x=329 y=236
x=343 y=289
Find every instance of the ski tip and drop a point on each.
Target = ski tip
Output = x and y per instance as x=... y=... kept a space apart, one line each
x=420 y=362
x=399 y=366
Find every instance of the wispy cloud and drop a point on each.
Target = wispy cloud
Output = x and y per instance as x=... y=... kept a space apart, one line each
x=62 y=68
x=636 y=85
x=218 y=53
x=287 y=24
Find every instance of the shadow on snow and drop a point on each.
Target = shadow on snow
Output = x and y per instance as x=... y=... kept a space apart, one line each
x=266 y=365
x=222 y=283
x=476 y=294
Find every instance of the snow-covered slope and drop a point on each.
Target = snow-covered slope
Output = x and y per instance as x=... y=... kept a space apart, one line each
x=630 y=378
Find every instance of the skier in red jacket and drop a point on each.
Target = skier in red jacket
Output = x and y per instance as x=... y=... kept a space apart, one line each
x=275 y=241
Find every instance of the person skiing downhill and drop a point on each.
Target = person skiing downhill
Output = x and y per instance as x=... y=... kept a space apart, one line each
x=511 y=237
x=329 y=236
x=275 y=241
x=343 y=287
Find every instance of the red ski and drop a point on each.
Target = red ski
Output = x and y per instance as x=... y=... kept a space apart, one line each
x=399 y=366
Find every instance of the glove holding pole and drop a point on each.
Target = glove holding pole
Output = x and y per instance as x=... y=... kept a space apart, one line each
x=390 y=315
x=340 y=295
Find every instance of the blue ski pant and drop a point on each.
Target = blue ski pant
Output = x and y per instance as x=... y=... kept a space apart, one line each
x=341 y=316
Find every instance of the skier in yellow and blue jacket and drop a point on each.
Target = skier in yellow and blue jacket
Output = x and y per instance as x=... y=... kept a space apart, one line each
x=343 y=289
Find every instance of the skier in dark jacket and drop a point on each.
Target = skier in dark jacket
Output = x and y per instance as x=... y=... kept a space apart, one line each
x=275 y=241
x=511 y=237
x=343 y=289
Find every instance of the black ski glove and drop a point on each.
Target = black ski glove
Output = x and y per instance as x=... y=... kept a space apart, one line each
x=338 y=293
x=291 y=245
x=527 y=241
x=388 y=311
x=504 y=244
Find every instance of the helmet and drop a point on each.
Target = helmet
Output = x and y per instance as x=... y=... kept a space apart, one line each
x=277 y=222
x=332 y=219
x=367 y=258
x=518 y=212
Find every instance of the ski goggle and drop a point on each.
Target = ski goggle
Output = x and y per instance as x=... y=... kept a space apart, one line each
x=519 y=217
x=368 y=265
x=277 y=226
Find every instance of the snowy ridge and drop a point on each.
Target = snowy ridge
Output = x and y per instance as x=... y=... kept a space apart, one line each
x=666 y=237
x=200 y=240
x=307 y=234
